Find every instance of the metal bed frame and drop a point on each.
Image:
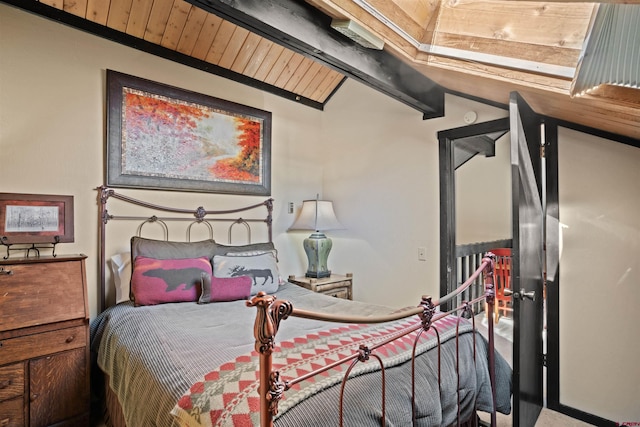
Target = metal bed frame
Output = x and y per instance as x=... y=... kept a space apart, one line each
x=272 y=311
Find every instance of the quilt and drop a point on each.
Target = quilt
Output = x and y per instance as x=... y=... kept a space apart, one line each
x=228 y=396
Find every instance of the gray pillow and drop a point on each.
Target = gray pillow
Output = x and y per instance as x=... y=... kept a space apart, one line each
x=165 y=249
x=226 y=249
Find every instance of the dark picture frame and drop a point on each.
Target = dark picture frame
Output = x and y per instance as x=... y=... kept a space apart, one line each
x=162 y=137
x=35 y=218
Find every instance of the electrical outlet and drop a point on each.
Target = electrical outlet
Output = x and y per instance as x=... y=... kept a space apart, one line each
x=422 y=253
x=290 y=207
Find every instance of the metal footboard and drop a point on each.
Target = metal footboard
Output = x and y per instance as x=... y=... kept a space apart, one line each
x=271 y=311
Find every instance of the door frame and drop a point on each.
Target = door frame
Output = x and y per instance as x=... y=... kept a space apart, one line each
x=552 y=284
x=446 y=138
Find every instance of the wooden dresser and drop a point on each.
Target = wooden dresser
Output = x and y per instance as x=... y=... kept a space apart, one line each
x=44 y=342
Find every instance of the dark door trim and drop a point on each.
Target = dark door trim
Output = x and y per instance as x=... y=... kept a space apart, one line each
x=553 y=268
x=446 y=138
x=553 y=280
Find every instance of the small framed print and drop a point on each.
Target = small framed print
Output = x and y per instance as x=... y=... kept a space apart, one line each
x=35 y=218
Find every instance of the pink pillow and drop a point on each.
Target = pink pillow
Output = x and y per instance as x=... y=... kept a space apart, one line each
x=219 y=289
x=157 y=281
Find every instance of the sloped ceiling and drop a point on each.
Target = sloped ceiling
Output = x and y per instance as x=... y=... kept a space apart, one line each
x=487 y=49
x=480 y=49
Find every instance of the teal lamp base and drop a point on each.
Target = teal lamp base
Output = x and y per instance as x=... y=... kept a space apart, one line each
x=317 y=247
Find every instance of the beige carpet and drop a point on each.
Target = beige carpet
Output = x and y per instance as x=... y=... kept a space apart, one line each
x=504 y=345
x=548 y=418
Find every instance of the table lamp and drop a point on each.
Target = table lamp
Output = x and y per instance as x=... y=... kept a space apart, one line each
x=317 y=215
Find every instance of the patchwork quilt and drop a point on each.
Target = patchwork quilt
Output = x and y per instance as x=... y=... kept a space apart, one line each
x=228 y=396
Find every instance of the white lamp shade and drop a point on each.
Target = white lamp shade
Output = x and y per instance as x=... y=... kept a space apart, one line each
x=316 y=215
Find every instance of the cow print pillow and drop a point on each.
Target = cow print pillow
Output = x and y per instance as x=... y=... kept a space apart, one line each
x=158 y=281
x=262 y=268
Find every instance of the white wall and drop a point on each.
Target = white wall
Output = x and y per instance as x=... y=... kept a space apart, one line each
x=382 y=172
x=375 y=157
x=483 y=196
x=599 y=276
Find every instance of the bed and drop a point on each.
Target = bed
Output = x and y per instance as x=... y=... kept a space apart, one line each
x=209 y=356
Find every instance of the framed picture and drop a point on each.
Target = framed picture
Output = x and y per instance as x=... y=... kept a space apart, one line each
x=165 y=138
x=35 y=218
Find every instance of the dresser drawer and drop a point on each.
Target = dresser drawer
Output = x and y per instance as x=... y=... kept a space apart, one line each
x=338 y=293
x=12 y=413
x=30 y=346
x=11 y=382
x=41 y=292
x=330 y=288
x=335 y=285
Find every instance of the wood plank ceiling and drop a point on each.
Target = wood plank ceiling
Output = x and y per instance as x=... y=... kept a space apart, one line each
x=191 y=31
x=478 y=48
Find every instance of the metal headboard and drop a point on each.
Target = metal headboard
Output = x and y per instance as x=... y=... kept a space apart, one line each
x=199 y=216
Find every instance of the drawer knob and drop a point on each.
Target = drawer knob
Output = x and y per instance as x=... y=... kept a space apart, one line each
x=5 y=384
x=69 y=339
x=4 y=272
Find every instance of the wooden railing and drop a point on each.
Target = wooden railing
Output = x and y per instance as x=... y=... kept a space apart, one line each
x=468 y=259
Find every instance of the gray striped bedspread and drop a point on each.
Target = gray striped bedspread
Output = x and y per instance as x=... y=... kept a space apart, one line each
x=153 y=354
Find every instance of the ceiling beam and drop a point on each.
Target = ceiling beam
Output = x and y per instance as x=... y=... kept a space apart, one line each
x=303 y=29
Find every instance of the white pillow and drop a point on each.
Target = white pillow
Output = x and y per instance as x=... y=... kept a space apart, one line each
x=262 y=268
x=121 y=273
x=281 y=281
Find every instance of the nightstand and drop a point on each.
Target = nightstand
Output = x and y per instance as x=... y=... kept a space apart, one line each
x=335 y=285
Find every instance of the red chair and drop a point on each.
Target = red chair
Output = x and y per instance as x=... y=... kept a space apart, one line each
x=502 y=281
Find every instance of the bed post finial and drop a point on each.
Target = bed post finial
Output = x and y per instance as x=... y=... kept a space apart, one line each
x=105 y=193
x=270 y=312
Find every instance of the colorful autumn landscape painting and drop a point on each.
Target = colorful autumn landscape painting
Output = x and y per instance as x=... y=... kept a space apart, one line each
x=163 y=137
x=171 y=138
